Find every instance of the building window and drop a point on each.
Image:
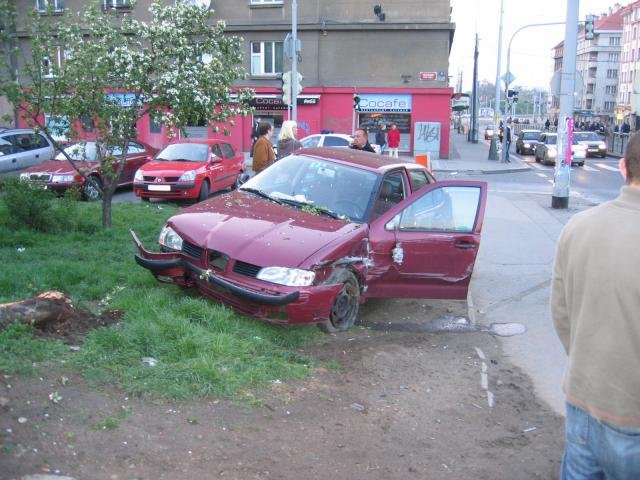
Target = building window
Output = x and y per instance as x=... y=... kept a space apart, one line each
x=116 y=4
x=614 y=41
x=52 y=62
x=612 y=73
x=608 y=106
x=266 y=58
x=614 y=56
x=56 y=6
x=611 y=89
x=267 y=2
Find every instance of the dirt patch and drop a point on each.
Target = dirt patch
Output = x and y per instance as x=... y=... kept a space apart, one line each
x=399 y=404
x=72 y=329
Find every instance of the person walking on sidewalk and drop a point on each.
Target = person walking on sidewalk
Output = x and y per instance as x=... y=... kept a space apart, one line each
x=595 y=300
x=507 y=143
x=381 y=137
x=393 y=138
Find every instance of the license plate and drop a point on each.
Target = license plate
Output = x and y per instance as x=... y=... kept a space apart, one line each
x=159 y=188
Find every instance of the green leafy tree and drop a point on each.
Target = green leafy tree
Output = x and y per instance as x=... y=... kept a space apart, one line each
x=178 y=67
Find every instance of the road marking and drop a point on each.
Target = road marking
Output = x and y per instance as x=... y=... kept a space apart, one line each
x=484 y=378
x=587 y=168
x=607 y=167
x=543 y=175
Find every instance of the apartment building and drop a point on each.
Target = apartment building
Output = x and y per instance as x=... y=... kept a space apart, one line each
x=628 y=95
x=393 y=56
x=597 y=68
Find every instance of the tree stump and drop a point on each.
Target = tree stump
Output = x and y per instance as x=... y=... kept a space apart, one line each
x=45 y=308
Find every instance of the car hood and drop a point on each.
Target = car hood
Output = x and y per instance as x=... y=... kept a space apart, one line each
x=258 y=231
x=60 y=167
x=170 y=168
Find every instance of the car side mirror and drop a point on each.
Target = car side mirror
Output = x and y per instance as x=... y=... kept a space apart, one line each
x=215 y=159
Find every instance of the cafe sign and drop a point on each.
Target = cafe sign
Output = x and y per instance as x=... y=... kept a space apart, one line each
x=385 y=102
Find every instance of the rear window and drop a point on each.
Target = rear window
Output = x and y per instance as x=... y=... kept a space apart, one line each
x=336 y=142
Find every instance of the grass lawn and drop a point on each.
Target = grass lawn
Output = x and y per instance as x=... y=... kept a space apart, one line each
x=201 y=348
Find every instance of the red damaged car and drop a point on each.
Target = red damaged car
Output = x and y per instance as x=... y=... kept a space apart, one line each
x=313 y=236
x=189 y=169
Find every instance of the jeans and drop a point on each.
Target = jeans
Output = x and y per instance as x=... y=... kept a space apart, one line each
x=598 y=451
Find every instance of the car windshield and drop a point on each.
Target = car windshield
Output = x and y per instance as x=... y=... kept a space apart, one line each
x=582 y=136
x=551 y=140
x=183 y=152
x=338 y=190
x=530 y=135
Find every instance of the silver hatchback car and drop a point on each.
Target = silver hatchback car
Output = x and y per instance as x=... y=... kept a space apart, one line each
x=21 y=148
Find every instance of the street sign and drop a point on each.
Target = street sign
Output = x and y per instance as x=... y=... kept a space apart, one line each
x=508 y=78
x=428 y=75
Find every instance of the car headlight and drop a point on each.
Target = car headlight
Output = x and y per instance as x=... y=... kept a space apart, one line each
x=139 y=176
x=526 y=145
x=170 y=239
x=291 y=277
x=552 y=152
x=24 y=177
x=189 y=176
x=62 y=178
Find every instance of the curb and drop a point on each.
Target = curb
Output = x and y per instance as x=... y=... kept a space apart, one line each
x=481 y=171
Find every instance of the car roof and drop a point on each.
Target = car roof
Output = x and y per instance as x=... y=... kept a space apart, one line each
x=208 y=141
x=17 y=130
x=365 y=160
x=530 y=130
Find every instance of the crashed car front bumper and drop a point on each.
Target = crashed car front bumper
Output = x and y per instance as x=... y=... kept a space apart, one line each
x=270 y=302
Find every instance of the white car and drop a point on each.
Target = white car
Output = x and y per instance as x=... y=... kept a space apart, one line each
x=339 y=140
x=546 y=150
x=592 y=142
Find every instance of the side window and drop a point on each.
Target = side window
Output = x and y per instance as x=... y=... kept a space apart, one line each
x=443 y=209
x=391 y=192
x=335 y=142
x=39 y=141
x=418 y=179
x=228 y=150
x=5 y=146
x=215 y=150
x=22 y=142
x=311 y=141
x=134 y=148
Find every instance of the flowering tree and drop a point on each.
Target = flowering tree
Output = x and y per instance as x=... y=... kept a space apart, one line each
x=178 y=68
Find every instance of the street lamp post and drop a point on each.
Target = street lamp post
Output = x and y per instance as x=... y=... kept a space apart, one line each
x=493 y=148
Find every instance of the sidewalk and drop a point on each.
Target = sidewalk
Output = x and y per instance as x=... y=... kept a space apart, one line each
x=474 y=157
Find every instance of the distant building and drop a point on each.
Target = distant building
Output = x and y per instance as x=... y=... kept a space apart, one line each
x=395 y=57
x=628 y=99
x=597 y=68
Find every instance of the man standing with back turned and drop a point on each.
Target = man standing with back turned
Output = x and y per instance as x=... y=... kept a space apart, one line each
x=595 y=305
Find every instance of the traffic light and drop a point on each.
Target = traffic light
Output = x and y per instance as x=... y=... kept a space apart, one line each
x=589 y=27
x=356 y=103
x=299 y=83
x=286 y=88
x=512 y=93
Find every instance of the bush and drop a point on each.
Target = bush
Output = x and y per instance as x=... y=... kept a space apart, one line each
x=40 y=210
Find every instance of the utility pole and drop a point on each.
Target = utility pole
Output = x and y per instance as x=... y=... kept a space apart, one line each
x=473 y=131
x=561 y=179
x=294 y=61
x=493 y=149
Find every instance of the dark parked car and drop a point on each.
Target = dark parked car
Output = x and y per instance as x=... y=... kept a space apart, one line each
x=526 y=142
x=59 y=175
x=189 y=169
x=319 y=232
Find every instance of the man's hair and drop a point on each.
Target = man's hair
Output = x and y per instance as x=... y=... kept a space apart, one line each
x=632 y=158
x=263 y=128
x=366 y=135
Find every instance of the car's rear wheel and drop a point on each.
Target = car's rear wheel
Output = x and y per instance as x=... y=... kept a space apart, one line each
x=345 y=306
x=204 y=191
x=92 y=189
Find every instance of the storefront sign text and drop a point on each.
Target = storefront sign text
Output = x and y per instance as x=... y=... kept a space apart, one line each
x=385 y=102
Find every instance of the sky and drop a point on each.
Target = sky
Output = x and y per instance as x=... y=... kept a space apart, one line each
x=531 y=49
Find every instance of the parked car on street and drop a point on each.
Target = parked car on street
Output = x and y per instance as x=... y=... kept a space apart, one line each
x=526 y=142
x=332 y=140
x=546 y=150
x=59 y=175
x=310 y=238
x=23 y=147
x=593 y=142
x=189 y=169
x=488 y=132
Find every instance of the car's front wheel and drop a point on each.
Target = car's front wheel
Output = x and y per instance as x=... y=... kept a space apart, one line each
x=92 y=189
x=204 y=191
x=345 y=306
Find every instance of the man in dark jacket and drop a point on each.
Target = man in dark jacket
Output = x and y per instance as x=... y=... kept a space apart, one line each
x=381 y=137
x=361 y=141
